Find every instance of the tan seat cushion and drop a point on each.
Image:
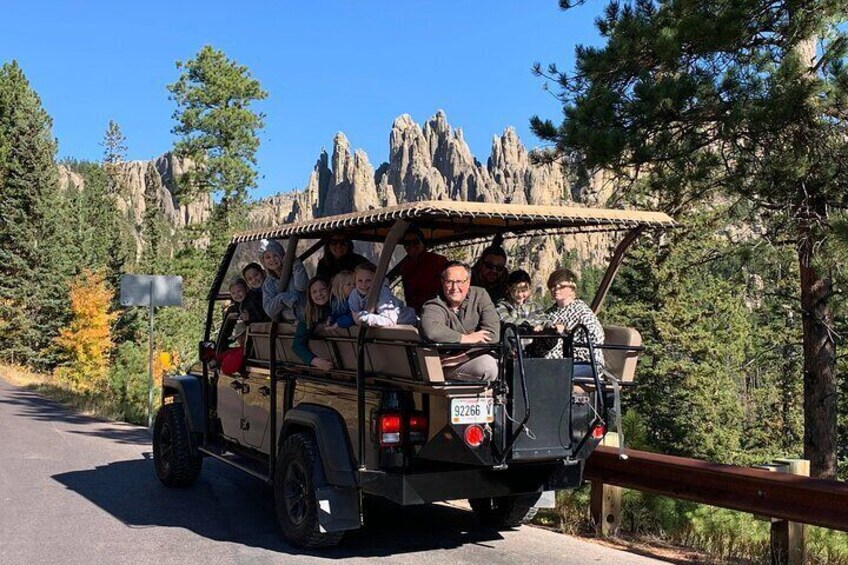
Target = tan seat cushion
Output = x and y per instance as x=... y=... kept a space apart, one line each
x=622 y=364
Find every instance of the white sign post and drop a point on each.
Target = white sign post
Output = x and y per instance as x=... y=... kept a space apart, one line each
x=152 y=291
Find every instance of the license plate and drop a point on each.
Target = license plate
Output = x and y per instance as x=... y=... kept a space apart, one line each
x=472 y=411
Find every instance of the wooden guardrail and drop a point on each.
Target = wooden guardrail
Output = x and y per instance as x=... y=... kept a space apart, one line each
x=790 y=500
x=788 y=497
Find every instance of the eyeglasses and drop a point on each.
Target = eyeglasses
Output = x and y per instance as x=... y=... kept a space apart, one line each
x=458 y=282
x=563 y=286
x=497 y=267
x=338 y=242
x=409 y=242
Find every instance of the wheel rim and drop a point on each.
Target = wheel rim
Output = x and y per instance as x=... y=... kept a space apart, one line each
x=166 y=446
x=296 y=492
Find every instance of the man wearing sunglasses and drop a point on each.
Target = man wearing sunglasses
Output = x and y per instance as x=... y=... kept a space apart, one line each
x=338 y=256
x=490 y=272
x=420 y=270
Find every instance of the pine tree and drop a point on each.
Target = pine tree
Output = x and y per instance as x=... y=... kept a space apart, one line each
x=29 y=295
x=218 y=127
x=707 y=98
x=114 y=155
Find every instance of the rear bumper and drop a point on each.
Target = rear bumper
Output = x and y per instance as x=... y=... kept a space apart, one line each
x=434 y=486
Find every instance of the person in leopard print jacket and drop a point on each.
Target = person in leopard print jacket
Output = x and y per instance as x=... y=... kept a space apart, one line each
x=567 y=312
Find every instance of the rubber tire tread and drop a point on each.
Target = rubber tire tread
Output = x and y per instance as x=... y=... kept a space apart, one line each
x=505 y=511
x=308 y=535
x=185 y=467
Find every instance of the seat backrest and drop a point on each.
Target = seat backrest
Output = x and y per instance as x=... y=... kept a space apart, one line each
x=394 y=360
x=621 y=363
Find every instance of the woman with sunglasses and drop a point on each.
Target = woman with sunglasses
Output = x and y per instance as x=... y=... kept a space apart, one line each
x=490 y=272
x=338 y=256
x=568 y=312
x=421 y=270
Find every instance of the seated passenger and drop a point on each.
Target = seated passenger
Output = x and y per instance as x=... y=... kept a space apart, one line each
x=462 y=314
x=317 y=311
x=567 y=312
x=254 y=276
x=341 y=287
x=247 y=305
x=338 y=256
x=283 y=301
x=390 y=309
x=232 y=360
x=420 y=270
x=490 y=272
x=519 y=308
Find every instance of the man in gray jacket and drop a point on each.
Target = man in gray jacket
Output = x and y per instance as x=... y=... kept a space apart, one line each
x=462 y=314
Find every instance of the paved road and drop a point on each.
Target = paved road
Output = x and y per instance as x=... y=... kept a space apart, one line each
x=78 y=490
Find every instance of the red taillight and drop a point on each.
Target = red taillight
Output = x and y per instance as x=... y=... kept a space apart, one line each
x=417 y=428
x=390 y=429
x=474 y=435
x=599 y=431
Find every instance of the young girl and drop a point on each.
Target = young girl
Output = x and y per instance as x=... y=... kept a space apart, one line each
x=317 y=311
x=390 y=309
x=340 y=315
x=518 y=308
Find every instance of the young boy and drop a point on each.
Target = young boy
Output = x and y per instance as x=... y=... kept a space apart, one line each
x=390 y=310
x=247 y=304
x=518 y=308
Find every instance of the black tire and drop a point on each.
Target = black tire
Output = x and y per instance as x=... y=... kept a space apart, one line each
x=505 y=511
x=175 y=464
x=294 y=494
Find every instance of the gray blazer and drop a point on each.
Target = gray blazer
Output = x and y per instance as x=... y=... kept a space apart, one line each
x=439 y=323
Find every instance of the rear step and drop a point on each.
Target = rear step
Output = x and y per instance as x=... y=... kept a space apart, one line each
x=254 y=468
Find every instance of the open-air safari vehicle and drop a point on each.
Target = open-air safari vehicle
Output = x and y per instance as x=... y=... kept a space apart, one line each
x=385 y=421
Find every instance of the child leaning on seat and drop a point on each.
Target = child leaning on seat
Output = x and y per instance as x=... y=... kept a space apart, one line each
x=518 y=307
x=341 y=289
x=390 y=310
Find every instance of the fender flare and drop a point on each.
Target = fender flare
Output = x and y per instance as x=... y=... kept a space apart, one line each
x=334 y=446
x=188 y=389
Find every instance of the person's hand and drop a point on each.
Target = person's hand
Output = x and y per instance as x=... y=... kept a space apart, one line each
x=331 y=327
x=245 y=317
x=323 y=364
x=560 y=328
x=480 y=336
x=538 y=328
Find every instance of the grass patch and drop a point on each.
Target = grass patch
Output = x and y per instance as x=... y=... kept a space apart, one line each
x=114 y=403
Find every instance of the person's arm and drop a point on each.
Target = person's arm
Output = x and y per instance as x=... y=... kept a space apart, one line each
x=274 y=302
x=505 y=313
x=434 y=325
x=489 y=319
x=300 y=343
x=388 y=307
x=300 y=278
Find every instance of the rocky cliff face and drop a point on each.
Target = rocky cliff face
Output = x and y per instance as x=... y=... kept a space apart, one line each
x=150 y=182
x=434 y=162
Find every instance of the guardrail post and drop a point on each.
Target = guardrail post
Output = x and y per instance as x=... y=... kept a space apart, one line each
x=787 y=538
x=605 y=500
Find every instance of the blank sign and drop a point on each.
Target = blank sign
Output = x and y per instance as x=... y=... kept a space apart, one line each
x=140 y=290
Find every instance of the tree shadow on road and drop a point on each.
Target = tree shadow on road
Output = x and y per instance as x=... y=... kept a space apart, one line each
x=34 y=406
x=226 y=505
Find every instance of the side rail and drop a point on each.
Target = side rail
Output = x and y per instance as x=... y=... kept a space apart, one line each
x=789 y=498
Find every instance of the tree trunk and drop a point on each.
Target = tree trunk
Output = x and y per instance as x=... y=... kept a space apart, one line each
x=819 y=362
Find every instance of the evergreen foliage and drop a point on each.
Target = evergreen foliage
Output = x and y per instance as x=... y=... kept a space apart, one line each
x=689 y=101
x=30 y=294
x=114 y=155
x=217 y=125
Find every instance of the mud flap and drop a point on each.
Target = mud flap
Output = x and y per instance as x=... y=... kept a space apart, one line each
x=338 y=508
x=547 y=500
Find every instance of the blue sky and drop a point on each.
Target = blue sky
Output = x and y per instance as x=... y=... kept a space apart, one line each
x=328 y=66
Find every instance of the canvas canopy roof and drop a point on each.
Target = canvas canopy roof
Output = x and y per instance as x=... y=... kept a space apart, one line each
x=446 y=221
